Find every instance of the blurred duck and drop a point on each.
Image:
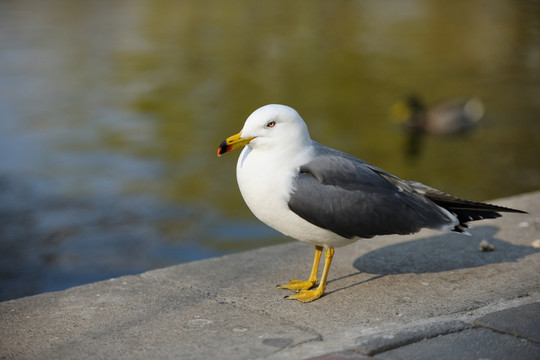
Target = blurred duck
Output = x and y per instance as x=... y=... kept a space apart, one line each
x=451 y=117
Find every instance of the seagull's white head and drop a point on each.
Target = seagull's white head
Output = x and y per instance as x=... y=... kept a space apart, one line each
x=271 y=127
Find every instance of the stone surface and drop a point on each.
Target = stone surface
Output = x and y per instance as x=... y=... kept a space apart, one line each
x=229 y=307
x=523 y=321
x=376 y=343
x=342 y=355
x=468 y=344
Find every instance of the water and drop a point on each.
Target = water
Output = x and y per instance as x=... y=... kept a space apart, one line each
x=111 y=113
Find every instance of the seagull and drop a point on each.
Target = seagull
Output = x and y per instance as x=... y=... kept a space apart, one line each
x=330 y=199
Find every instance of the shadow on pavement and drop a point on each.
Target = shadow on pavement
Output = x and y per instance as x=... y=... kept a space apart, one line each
x=441 y=253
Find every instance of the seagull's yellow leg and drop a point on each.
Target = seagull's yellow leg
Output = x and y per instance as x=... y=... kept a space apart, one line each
x=310 y=295
x=298 y=285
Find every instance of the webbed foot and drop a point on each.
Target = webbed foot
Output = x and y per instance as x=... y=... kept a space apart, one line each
x=307 y=295
x=298 y=285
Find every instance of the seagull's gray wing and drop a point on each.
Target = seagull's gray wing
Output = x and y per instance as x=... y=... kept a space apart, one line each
x=350 y=197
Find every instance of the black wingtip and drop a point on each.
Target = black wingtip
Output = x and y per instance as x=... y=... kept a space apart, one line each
x=498 y=208
x=455 y=204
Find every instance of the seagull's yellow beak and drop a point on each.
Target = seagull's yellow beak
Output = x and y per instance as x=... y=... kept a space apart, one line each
x=233 y=142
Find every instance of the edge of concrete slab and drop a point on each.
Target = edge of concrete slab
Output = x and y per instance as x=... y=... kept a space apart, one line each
x=377 y=343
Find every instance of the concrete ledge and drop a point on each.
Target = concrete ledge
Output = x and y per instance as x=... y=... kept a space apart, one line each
x=228 y=307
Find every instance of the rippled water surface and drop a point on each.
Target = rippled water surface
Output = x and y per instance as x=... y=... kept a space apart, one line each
x=111 y=113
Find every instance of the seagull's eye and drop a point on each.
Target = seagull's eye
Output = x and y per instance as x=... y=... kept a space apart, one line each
x=271 y=124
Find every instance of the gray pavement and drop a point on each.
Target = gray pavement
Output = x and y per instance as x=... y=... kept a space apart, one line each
x=424 y=296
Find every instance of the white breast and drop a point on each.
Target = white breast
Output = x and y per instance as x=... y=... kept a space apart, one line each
x=265 y=182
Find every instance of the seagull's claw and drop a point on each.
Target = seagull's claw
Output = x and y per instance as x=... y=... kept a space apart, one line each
x=298 y=285
x=306 y=295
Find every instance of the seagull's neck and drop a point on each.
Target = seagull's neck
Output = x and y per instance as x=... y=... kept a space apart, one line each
x=289 y=155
